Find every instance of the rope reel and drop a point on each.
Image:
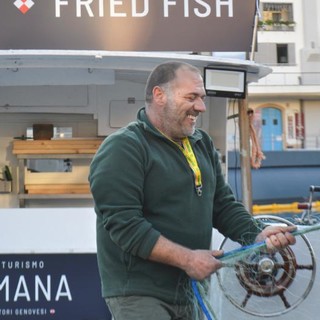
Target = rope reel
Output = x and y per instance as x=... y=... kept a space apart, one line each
x=269 y=284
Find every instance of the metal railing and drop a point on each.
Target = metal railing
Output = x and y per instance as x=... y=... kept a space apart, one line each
x=276 y=27
x=308 y=143
x=289 y=79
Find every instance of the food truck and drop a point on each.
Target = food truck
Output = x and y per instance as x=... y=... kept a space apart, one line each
x=68 y=79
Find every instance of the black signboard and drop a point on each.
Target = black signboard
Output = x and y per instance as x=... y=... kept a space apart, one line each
x=127 y=25
x=51 y=286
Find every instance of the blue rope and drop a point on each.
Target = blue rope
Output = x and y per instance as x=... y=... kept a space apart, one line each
x=235 y=252
x=200 y=300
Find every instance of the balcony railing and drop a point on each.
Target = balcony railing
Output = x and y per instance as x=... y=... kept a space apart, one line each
x=310 y=142
x=290 y=79
x=270 y=25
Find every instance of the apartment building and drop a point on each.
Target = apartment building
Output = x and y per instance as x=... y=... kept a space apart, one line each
x=287 y=102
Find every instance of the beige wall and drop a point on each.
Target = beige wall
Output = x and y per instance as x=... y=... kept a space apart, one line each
x=288 y=107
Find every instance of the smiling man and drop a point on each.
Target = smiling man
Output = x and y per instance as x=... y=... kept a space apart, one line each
x=159 y=190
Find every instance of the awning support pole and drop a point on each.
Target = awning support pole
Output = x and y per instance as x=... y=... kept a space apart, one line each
x=246 y=182
x=245 y=163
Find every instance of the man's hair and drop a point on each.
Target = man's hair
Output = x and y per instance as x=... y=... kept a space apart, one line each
x=163 y=74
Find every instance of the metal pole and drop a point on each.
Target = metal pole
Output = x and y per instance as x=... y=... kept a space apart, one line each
x=246 y=179
x=246 y=182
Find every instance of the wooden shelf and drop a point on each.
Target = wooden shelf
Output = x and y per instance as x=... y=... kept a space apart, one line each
x=55 y=156
x=25 y=196
x=79 y=148
x=79 y=188
x=56 y=147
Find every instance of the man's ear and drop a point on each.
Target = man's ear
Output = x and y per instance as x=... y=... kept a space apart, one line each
x=159 y=96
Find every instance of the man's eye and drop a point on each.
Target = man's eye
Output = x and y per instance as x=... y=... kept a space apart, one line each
x=191 y=98
x=194 y=98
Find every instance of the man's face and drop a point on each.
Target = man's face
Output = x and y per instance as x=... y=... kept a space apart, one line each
x=185 y=101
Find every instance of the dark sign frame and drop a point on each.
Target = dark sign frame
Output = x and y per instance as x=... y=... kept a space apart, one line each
x=130 y=25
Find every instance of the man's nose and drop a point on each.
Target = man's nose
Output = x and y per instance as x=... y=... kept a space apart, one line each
x=200 y=105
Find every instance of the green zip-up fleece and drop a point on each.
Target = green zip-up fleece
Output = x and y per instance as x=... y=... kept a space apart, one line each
x=143 y=186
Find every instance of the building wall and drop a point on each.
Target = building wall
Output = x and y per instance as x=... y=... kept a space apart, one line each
x=294 y=87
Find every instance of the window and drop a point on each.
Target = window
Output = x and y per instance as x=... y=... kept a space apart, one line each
x=276 y=17
x=282 y=53
x=290 y=127
x=274 y=54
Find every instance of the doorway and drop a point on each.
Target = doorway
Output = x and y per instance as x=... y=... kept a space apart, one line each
x=271 y=129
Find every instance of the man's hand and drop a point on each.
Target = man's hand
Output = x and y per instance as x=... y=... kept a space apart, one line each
x=198 y=264
x=202 y=263
x=277 y=237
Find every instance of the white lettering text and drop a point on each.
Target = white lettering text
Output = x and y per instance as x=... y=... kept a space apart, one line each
x=86 y=4
x=66 y=293
x=228 y=3
x=60 y=3
x=140 y=8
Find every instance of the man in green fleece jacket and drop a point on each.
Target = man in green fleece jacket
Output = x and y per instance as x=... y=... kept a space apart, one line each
x=158 y=191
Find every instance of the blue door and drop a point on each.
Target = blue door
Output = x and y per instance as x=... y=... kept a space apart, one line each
x=271 y=129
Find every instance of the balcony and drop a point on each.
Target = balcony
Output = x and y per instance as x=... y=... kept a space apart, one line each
x=271 y=25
